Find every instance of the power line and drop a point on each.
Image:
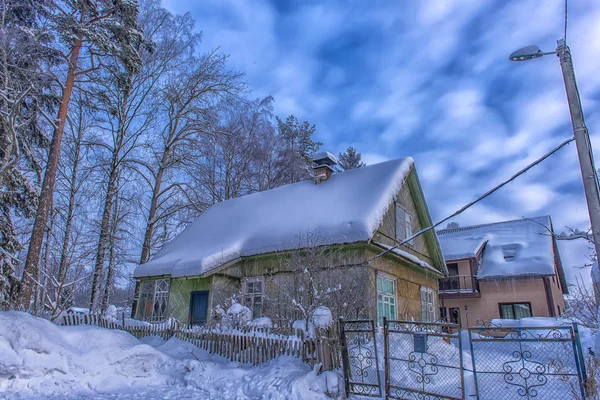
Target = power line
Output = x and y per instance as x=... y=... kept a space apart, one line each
x=483 y=196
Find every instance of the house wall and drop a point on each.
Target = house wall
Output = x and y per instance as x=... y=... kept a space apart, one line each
x=409 y=280
x=386 y=233
x=493 y=293
x=180 y=295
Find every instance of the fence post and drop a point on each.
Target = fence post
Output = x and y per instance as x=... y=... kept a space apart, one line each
x=386 y=356
x=345 y=360
x=327 y=351
x=580 y=360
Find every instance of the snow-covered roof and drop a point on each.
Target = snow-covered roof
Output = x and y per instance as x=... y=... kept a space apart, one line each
x=346 y=208
x=521 y=247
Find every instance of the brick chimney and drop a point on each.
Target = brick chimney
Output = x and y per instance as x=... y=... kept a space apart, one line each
x=323 y=164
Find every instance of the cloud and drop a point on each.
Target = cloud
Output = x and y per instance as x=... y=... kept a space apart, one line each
x=431 y=80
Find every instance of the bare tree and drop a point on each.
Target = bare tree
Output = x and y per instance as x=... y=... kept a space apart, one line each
x=316 y=275
x=91 y=29
x=186 y=97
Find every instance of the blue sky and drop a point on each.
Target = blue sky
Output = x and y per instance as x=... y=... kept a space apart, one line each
x=431 y=80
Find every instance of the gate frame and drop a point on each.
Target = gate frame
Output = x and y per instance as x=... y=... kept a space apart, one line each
x=517 y=332
x=346 y=358
x=427 y=325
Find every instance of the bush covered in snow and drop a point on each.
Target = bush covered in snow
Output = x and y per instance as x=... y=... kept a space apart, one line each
x=262 y=322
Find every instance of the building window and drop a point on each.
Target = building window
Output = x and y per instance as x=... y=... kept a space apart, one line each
x=427 y=304
x=154 y=295
x=386 y=299
x=515 y=310
x=253 y=295
x=403 y=225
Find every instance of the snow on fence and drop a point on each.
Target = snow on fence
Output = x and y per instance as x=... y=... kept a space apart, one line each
x=246 y=345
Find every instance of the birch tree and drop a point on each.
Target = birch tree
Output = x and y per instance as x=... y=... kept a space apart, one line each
x=186 y=97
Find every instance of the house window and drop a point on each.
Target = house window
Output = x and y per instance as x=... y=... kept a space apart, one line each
x=515 y=310
x=154 y=294
x=403 y=225
x=427 y=304
x=386 y=299
x=253 y=295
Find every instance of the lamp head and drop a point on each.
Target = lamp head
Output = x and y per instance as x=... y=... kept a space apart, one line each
x=526 y=53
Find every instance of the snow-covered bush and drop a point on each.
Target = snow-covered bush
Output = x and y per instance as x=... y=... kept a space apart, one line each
x=262 y=322
x=237 y=316
x=322 y=317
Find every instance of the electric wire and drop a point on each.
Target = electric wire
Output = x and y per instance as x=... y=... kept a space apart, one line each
x=483 y=196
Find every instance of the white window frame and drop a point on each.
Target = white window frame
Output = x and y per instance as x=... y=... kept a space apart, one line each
x=428 y=304
x=388 y=300
x=154 y=299
x=404 y=224
x=255 y=300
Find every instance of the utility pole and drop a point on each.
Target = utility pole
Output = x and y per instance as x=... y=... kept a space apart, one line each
x=584 y=148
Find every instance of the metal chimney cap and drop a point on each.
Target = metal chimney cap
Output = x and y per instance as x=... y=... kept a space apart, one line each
x=325 y=157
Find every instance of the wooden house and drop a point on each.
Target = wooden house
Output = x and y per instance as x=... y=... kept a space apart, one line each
x=242 y=248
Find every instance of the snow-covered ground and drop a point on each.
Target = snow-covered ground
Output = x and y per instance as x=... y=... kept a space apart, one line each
x=40 y=360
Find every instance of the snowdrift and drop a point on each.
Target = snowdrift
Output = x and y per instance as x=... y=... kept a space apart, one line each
x=41 y=360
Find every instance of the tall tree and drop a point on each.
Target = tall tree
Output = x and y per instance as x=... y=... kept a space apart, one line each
x=350 y=159
x=90 y=29
x=296 y=149
x=25 y=93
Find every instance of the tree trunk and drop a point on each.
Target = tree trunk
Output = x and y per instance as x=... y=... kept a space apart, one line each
x=46 y=196
x=104 y=236
x=153 y=208
x=110 y=277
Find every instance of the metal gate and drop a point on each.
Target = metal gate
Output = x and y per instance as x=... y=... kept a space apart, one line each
x=422 y=360
x=527 y=362
x=359 y=357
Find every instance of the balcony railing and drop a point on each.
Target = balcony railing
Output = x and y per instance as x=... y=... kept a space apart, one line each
x=457 y=284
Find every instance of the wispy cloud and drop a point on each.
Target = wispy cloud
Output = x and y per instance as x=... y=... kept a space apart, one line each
x=431 y=80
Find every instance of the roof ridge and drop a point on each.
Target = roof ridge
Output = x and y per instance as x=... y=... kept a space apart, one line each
x=466 y=228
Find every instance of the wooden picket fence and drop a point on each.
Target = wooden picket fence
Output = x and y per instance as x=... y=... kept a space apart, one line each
x=248 y=345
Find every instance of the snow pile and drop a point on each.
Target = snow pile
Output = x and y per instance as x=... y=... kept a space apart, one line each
x=322 y=317
x=262 y=322
x=512 y=248
x=272 y=220
x=41 y=360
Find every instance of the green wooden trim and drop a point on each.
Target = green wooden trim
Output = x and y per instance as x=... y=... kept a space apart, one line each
x=430 y=236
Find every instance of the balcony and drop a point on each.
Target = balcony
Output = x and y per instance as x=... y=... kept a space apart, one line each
x=458 y=284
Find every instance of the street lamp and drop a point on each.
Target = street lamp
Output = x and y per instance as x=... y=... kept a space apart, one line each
x=582 y=138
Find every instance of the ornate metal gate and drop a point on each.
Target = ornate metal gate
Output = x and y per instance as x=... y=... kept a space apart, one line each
x=359 y=358
x=422 y=360
x=527 y=362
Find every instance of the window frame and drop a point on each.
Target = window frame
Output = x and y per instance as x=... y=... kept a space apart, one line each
x=389 y=300
x=148 y=308
x=528 y=303
x=428 y=313
x=406 y=224
x=250 y=299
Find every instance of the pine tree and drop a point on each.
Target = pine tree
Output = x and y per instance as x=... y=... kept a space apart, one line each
x=88 y=31
x=350 y=159
x=296 y=150
x=25 y=94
